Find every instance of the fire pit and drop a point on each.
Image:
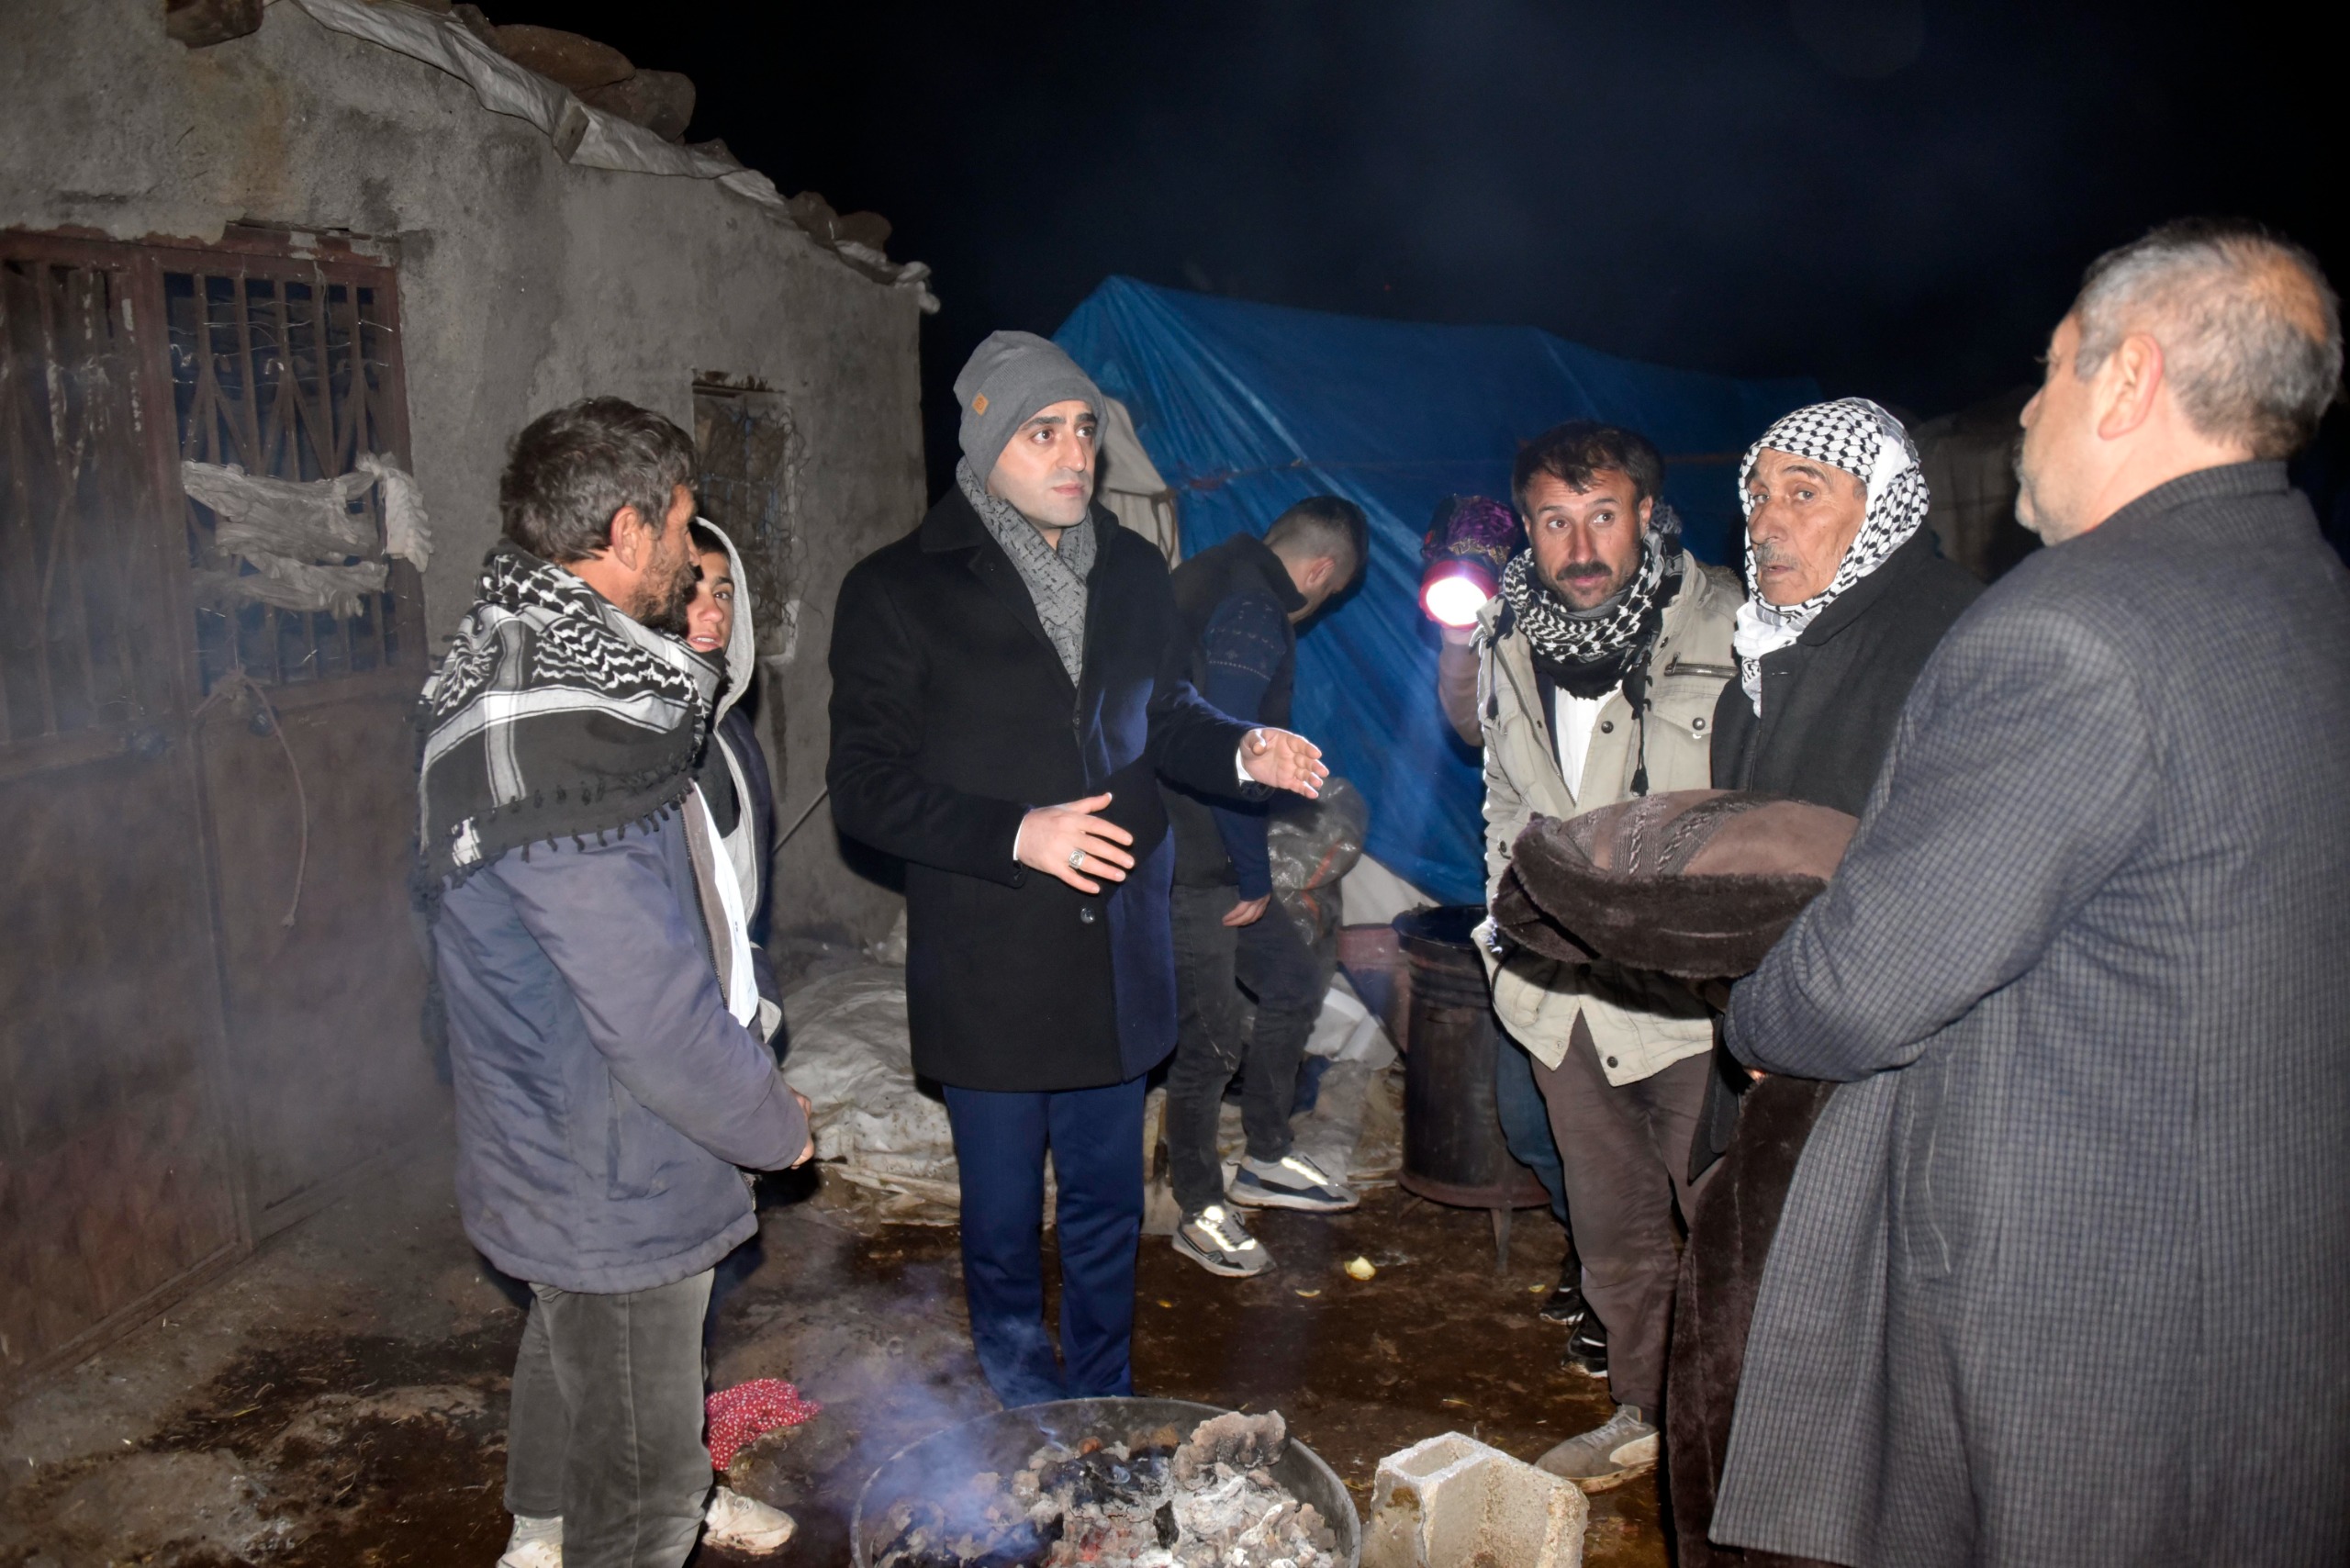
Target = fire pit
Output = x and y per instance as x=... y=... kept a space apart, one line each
x=1156 y=1482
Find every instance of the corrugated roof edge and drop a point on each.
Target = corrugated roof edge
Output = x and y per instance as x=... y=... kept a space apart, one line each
x=589 y=138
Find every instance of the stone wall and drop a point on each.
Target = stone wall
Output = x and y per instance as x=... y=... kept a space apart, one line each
x=524 y=282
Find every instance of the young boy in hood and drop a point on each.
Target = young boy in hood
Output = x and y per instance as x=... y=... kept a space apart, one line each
x=734 y=774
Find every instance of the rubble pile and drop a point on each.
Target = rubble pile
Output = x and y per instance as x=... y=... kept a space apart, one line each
x=1158 y=1501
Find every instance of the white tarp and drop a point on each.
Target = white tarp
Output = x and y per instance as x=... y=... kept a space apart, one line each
x=852 y=1057
x=1131 y=488
x=876 y=1129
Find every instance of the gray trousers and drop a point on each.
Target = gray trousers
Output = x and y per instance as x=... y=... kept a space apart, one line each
x=1625 y=1150
x=1212 y=959
x=607 y=1422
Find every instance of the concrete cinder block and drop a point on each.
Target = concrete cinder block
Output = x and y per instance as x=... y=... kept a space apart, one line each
x=1453 y=1502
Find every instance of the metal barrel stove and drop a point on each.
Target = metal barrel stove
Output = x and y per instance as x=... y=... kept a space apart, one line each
x=1453 y=1150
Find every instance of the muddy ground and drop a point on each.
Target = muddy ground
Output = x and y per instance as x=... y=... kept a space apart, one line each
x=340 y=1399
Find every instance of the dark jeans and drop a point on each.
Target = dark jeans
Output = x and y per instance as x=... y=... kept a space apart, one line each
x=606 y=1424
x=1272 y=961
x=1525 y=1121
x=1095 y=1136
x=1625 y=1149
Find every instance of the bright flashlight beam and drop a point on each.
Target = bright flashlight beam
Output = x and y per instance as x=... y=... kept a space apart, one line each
x=1453 y=601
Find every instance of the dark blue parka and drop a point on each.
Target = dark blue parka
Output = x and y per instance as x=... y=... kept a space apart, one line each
x=605 y=1097
x=952 y=717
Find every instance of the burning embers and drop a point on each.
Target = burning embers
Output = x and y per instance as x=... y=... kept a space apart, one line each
x=1206 y=1501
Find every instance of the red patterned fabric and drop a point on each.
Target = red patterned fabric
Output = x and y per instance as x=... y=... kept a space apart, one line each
x=743 y=1412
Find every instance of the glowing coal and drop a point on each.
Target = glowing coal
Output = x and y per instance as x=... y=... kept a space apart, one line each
x=1158 y=1500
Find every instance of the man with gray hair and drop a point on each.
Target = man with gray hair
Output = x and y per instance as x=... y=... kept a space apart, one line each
x=2060 y=1274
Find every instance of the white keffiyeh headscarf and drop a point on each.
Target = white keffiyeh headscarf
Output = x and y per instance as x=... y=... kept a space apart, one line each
x=1862 y=439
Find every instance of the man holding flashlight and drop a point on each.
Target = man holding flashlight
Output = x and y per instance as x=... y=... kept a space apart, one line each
x=1600 y=663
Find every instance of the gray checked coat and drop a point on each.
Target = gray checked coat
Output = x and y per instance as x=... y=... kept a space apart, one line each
x=2063 y=1279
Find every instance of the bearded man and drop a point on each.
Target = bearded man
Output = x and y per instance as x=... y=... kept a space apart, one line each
x=1008 y=687
x=1600 y=664
x=2059 y=1279
x=1847 y=600
x=591 y=947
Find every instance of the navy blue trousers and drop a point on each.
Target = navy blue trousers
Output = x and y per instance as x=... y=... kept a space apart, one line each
x=1095 y=1136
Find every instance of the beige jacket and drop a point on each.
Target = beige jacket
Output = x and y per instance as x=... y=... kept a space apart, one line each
x=1638 y=1029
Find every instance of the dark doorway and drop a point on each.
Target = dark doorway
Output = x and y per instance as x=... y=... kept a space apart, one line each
x=208 y=998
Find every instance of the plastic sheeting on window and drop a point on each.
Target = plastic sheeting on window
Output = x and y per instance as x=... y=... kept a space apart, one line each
x=1244 y=409
x=282 y=528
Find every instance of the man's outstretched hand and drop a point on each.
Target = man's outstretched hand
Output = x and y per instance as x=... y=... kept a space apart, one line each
x=1283 y=761
x=1069 y=842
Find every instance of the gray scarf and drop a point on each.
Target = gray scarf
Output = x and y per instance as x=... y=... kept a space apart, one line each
x=1055 y=578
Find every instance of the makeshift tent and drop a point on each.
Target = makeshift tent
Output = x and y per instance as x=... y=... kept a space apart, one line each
x=1244 y=409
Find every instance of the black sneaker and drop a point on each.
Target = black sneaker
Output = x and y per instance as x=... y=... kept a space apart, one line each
x=1565 y=1306
x=1292 y=1182
x=1587 y=1347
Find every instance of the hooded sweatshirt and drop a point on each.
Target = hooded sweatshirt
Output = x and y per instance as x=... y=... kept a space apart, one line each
x=735 y=780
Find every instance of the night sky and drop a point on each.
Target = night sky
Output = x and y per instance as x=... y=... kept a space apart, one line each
x=1893 y=198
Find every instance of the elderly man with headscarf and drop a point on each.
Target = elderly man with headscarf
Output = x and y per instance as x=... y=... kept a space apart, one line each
x=1847 y=599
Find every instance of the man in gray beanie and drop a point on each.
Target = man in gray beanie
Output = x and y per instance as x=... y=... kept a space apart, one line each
x=1007 y=686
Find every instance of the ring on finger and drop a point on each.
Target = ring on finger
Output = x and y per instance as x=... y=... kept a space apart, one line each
x=1077 y=860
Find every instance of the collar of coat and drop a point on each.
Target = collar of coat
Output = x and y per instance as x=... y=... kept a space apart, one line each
x=2226 y=482
x=954 y=524
x=1248 y=551
x=1509 y=659
x=1848 y=607
x=1702 y=592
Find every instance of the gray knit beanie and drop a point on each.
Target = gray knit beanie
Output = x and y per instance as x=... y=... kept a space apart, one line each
x=1005 y=381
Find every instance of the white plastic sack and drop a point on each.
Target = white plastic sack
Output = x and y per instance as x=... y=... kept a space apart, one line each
x=1347 y=1031
x=851 y=1055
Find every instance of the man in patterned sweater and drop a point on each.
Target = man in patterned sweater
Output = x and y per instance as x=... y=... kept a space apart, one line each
x=1241 y=603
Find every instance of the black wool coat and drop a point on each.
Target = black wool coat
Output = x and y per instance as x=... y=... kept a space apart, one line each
x=1830 y=699
x=951 y=718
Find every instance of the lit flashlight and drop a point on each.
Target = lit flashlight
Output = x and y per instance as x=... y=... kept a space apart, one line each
x=1453 y=592
x=1468 y=542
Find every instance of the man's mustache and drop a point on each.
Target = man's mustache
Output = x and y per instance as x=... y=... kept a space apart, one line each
x=1579 y=571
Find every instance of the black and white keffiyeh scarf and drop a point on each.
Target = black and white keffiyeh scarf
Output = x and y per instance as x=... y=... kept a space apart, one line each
x=1589 y=651
x=554 y=713
x=1862 y=439
x=1055 y=578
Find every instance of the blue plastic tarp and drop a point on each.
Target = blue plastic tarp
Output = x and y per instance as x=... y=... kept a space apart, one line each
x=1247 y=408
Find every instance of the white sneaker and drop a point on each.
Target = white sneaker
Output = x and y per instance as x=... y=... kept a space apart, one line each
x=1607 y=1455
x=532 y=1554
x=744 y=1524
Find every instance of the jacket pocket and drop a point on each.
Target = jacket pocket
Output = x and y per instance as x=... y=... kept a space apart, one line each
x=636 y=1149
x=1921 y=1235
x=1536 y=1000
